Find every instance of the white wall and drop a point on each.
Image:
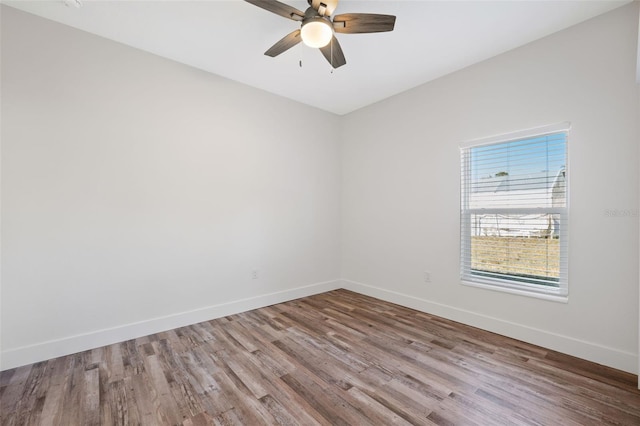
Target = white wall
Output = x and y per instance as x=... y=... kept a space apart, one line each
x=401 y=179
x=139 y=194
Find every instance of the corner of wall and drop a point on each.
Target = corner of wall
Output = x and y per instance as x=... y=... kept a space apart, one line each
x=17 y=357
x=586 y=350
x=638 y=46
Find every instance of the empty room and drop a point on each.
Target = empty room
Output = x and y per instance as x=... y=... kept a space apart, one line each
x=319 y=213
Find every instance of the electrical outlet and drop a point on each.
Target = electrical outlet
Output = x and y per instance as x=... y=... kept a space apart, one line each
x=254 y=274
x=427 y=276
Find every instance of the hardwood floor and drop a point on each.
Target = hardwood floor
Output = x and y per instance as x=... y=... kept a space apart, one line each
x=336 y=358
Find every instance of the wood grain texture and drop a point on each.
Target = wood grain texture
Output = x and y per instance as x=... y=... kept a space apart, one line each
x=284 y=44
x=337 y=358
x=333 y=53
x=359 y=23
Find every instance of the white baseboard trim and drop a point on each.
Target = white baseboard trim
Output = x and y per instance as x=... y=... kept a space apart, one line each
x=24 y=355
x=611 y=357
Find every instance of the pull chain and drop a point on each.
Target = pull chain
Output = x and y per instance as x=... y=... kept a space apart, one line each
x=331 y=51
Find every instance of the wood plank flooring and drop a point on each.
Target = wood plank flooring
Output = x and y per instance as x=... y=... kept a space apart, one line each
x=337 y=358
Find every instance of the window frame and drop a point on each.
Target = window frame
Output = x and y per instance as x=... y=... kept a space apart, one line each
x=557 y=294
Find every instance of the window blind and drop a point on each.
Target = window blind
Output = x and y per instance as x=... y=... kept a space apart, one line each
x=514 y=215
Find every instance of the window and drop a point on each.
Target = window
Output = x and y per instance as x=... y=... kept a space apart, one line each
x=514 y=216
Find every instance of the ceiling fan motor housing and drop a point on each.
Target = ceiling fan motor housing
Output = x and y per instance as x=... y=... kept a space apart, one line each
x=311 y=13
x=322 y=7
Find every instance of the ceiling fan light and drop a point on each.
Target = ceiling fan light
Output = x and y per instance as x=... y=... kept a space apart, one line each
x=316 y=32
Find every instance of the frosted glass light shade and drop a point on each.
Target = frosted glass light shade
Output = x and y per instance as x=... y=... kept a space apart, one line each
x=316 y=33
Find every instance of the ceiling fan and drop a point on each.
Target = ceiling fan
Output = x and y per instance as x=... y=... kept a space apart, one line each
x=318 y=27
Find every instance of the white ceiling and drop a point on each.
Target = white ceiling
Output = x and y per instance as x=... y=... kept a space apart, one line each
x=229 y=37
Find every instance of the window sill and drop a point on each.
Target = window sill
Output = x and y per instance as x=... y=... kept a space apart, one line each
x=517 y=291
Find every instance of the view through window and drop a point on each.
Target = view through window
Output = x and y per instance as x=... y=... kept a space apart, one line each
x=514 y=213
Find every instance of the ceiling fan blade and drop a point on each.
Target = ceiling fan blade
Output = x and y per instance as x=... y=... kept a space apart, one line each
x=278 y=8
x=284 y=44
x=353 y=23
x=333 y=53
x=324 y=7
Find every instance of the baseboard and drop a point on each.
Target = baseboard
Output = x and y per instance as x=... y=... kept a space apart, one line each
x=611 y=357
x=54 y=348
